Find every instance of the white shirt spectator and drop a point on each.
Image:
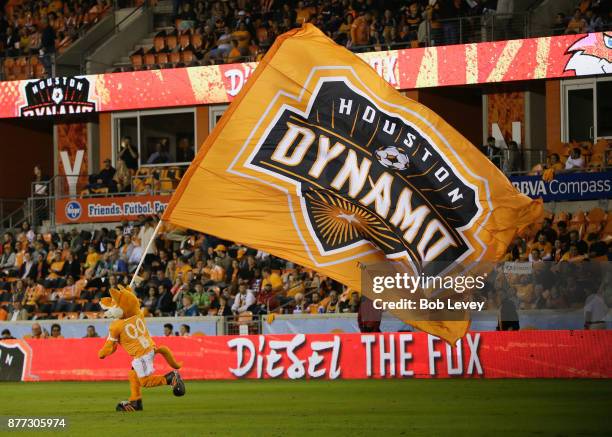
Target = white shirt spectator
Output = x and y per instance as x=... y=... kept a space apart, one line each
x=243 y=301
x=135 y=256
x=145 y=235
x=574 y=163
x=596 y=306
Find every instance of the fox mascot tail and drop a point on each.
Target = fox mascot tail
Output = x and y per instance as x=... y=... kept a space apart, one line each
x=167 y=354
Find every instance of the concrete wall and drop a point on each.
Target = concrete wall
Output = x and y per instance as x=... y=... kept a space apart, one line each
x=130 y=33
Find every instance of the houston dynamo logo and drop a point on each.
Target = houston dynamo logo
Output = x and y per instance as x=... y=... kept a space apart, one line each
x=367 y=177
x=57 y=96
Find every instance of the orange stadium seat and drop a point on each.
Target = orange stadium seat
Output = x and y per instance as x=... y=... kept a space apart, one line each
x=136 y=60
x=159 y=43
x=196 y=40
x=184 y=40
x=175 y=57
x=39 y=70
x=149 y=59
x=187 y=56
x=171 y=42
x=161 y=58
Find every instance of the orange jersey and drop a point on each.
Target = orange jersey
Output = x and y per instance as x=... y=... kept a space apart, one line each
x=132 y=334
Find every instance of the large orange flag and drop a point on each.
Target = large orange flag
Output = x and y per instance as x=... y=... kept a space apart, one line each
x=321 y=162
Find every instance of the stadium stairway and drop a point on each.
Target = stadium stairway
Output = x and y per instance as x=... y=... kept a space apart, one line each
x=162 y=21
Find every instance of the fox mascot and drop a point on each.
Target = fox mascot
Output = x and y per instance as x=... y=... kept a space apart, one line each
x=130 y=331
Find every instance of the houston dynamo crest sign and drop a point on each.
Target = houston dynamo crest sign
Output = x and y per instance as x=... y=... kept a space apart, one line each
x=366 y=177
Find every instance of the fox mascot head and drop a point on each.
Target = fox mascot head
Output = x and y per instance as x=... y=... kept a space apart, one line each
x=591 y=55
x=122 y=304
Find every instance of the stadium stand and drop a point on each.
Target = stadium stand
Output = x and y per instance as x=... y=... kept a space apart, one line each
x=32 y=31
x=63 y=275
x=204 y=33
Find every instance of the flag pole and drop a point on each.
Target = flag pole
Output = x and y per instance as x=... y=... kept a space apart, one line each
x=144 y=253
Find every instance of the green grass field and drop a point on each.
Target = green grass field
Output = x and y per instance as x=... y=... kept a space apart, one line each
x=339 y=408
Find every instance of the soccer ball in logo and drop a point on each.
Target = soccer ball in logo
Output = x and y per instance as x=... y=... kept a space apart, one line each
x=57 y=95
x=392 y=157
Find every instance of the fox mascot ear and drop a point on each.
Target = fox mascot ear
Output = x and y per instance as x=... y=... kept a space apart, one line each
x=112 y=310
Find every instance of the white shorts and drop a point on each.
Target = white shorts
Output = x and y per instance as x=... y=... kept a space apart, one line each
x=143 y=366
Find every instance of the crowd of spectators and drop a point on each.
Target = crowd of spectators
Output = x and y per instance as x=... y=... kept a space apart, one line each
x=65 y=274
x=567 y=258
x=187 y=273
x=37 y=29
x=213 y=32
x=589 y=16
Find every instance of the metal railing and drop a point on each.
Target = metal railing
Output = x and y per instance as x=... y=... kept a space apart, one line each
x=12 y=213
x=86 y=56
x=474 y=29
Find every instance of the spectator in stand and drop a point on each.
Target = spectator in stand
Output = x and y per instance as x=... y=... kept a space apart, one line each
x=594 y=21
x=333 y=306
x=104 y=179
x=184 y=330
x=150 y=302
x=91 y=332
x=56 y=331
x=189 y=308
x=493 y=152
x=73 y=266
x=560 y=25
x=168 y=330
x=352 y=304
x=360 y=32
x=581 y=246
x=6 y=335
x=244 y=300
x=575 y=161
x=28 y=267
x=128 y=153
x=123 y=177
x=315 y=306
x=47 y=45
x=67 y=295
x=36 y=332
x=160 y=155
x=18 y=312
x=201 y=298
x=595 y=311
x=577 y=24
x=165 y=306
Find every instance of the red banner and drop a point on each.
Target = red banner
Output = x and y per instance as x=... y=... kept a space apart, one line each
x=521 y=354
x=502 y=61
x=108 y=209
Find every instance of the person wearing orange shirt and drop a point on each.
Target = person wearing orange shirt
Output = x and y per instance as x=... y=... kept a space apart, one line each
x=577 y=24
x=360 y=30
x=573 y=255
x=315 y=306
x=92 y=257
x=543 y=246
x=271 y=278
x=67 y=295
